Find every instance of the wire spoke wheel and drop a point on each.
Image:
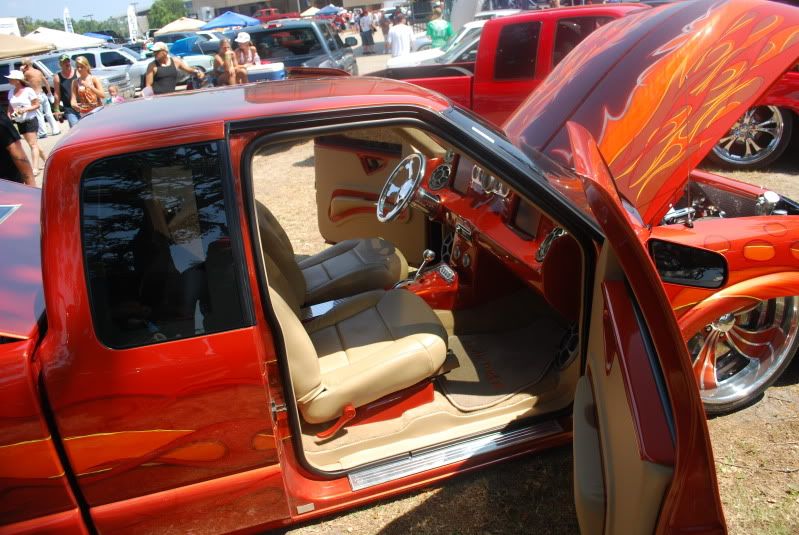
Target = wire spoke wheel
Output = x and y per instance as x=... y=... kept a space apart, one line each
x=756 y=139
x=739 y=355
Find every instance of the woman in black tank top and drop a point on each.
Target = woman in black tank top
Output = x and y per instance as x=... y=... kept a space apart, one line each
x=162 y=73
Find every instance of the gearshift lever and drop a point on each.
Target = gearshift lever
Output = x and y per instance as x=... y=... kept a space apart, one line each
x=427 y=257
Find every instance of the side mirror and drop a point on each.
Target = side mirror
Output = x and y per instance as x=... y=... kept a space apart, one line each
x=350 y=42
x=688 y=266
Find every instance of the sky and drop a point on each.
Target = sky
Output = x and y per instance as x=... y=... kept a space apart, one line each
x=54 y=9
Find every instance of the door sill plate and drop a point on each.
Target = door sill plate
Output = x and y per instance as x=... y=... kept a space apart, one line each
x=415 y=463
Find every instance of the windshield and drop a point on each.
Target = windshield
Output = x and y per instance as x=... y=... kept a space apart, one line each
x=464 y=35
x=460 y=52
x=286 y=42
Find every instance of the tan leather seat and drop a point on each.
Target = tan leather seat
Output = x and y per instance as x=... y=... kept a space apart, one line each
x=347 y=268
x=368 y=346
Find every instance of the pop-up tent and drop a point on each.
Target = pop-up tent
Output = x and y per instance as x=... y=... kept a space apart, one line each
x=13 y=46
x=63 y=39
x=310 y=12
x=228 y=19
x=183 y=24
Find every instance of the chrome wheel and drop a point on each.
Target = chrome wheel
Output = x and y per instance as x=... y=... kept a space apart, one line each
x=756 y=139
x=739 y=355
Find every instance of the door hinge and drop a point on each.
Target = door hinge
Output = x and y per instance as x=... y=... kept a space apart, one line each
x=276 y=408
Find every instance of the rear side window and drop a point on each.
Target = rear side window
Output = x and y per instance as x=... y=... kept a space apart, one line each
x=157 y=248
x=4 y=69
x=113 y=59
x=51 y=63
x=516 y=51
x=570 y=32
x=286 y=42
x=89 y=58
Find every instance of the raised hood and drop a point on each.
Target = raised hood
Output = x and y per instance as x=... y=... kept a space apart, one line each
x=21 y=298
x=658 y=88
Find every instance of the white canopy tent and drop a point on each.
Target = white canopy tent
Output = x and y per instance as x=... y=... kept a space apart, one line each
x=310 y=12
x=12 y=46
x=183 y=24
x=63 y=40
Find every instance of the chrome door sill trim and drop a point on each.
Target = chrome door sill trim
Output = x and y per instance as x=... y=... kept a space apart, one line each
x=415 y=463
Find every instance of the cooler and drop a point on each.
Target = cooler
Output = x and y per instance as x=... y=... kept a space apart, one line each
x=266 y=71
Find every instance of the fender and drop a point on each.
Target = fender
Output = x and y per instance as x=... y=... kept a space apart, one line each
x=736 y=297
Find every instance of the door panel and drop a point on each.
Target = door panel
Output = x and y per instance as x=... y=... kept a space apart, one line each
x=623 y=453
x=350 y=172
x=654 y=447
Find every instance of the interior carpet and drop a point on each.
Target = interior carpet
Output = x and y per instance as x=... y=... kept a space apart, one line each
x=495 y=366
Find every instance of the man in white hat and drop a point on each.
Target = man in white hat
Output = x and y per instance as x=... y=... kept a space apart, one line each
x=162 y=73
x=246 y=54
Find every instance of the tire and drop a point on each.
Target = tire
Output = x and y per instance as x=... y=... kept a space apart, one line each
x=763 y=131
x=738 y=356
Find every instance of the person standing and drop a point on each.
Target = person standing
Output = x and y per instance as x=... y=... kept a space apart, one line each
x=439 y=30
x=162 y=72
x=385 y=26
x=22 y=105
x=14 y=164
x=400 y=37
x=367 y=23
x=41 y=87
x=87 y=91
x=62 y=87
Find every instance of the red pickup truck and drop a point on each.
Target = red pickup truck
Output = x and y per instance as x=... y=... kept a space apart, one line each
x=272 y=13
x=514 y=55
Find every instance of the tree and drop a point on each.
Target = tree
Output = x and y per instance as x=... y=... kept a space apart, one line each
x=163 y=12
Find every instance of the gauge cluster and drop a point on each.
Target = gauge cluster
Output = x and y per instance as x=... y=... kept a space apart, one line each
x=488 y=184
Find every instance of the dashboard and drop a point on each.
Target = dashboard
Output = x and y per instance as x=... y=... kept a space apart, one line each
x=487 y=217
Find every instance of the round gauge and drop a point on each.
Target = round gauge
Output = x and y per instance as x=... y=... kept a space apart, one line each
x=440 y=177
x=502 y=189
x=488 y=182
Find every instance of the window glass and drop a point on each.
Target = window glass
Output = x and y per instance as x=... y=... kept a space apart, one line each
x=516 y=51
x=328 y=36
x=113 y=59
x=570 y=32
x=4 y=70
x=285 y=42
x=52 y=64
x=157 y=248
x=89 y=58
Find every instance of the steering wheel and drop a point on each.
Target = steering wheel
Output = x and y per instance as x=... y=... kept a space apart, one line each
x=400 y=187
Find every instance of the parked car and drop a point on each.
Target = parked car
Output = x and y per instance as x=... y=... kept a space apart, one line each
x=168 y=360
x=423 y=43
x=302 y=43
x=269 y=14
x=48 y=64
x=510 y=57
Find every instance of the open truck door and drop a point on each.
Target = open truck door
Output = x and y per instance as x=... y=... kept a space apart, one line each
x=643 y=462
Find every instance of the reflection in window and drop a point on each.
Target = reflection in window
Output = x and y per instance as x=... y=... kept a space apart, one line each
x=157 y=248
x=571 y=31
x=516 y=51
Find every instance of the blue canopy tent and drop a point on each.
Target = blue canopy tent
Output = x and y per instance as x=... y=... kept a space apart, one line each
x=102 y=36
x=228 y=19
x=330 y=9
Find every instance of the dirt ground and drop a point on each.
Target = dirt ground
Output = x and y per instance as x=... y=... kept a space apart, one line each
x=756 y=449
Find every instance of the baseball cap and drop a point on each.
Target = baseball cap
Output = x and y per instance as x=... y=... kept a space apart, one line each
x=243 y=37
x=63 y=57
x=160 y=45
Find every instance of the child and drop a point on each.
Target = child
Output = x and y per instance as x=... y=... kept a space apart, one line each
x=113 y=95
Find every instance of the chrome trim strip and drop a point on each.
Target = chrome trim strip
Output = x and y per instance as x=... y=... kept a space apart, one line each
x=428 y=460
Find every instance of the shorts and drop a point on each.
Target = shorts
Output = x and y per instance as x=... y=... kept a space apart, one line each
x=26 y=127
x=367 y=39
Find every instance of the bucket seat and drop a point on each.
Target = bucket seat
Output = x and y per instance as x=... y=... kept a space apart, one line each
x=347 y=268
x=367 y=346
